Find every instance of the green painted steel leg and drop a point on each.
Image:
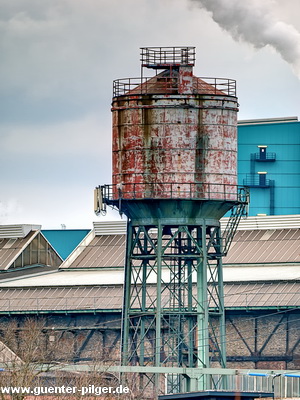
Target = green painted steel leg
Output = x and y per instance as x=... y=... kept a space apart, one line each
x=222 y=314
x=126 y=298
x=202 y=345
x=158 y=314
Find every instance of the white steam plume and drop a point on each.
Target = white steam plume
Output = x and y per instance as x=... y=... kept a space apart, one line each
x=254 y=22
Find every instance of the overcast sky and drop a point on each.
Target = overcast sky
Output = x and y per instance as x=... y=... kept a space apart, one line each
x=58 y=59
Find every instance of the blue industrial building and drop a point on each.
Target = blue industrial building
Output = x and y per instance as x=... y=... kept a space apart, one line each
x=65 y=240
x=269 y=163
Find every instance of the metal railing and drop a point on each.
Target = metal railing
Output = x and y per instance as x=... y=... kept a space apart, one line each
x=158 y=57
x=282 y=385
x=169 y=85
x=268 y=156
x=257 y=181
x=186 y=191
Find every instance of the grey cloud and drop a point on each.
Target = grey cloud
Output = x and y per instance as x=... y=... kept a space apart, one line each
x=52 y=57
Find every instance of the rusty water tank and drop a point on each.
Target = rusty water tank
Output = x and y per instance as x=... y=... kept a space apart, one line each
x=174 y=134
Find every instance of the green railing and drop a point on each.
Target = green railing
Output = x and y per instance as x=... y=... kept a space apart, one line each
x=188 y=191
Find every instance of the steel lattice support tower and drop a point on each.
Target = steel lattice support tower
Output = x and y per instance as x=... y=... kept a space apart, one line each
x=174 y=177
x=166 y=315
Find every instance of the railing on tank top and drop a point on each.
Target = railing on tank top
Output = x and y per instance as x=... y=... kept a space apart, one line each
x=169 y=85
x=181 y=191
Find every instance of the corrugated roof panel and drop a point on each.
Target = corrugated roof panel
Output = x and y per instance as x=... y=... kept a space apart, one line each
x=17 y=231
x=110 y=227
x=242 y=253
x=87 y=257
x=266 y=222
x=296 y=234
x=287 y=234
x=235 y=296
x=75 y=298
x=278 y=294
x=287 y=292
x=290 y=251
x=265 y=246
x=109 y=297
x=111 y=240
x=249 y=223
x=267 y=234
x=268 y=250
x=258 y=246
x=104 y=251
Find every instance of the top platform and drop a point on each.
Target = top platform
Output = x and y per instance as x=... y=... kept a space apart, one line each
x=167 y=57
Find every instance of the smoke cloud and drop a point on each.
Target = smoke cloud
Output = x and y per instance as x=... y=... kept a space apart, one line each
x=254 y=22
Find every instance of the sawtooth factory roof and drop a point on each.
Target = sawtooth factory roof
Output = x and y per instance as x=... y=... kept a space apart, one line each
x=23 y=248
x=261 y=270
x=248 y=247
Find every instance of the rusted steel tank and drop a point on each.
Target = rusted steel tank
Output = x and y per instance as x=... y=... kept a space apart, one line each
x=174 y=134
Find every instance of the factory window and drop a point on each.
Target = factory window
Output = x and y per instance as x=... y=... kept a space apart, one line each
x=38 y=252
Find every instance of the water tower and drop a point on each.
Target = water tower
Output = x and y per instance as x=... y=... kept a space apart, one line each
x=174 y=177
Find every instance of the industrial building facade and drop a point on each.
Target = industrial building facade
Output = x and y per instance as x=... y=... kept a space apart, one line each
x=80 y=303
